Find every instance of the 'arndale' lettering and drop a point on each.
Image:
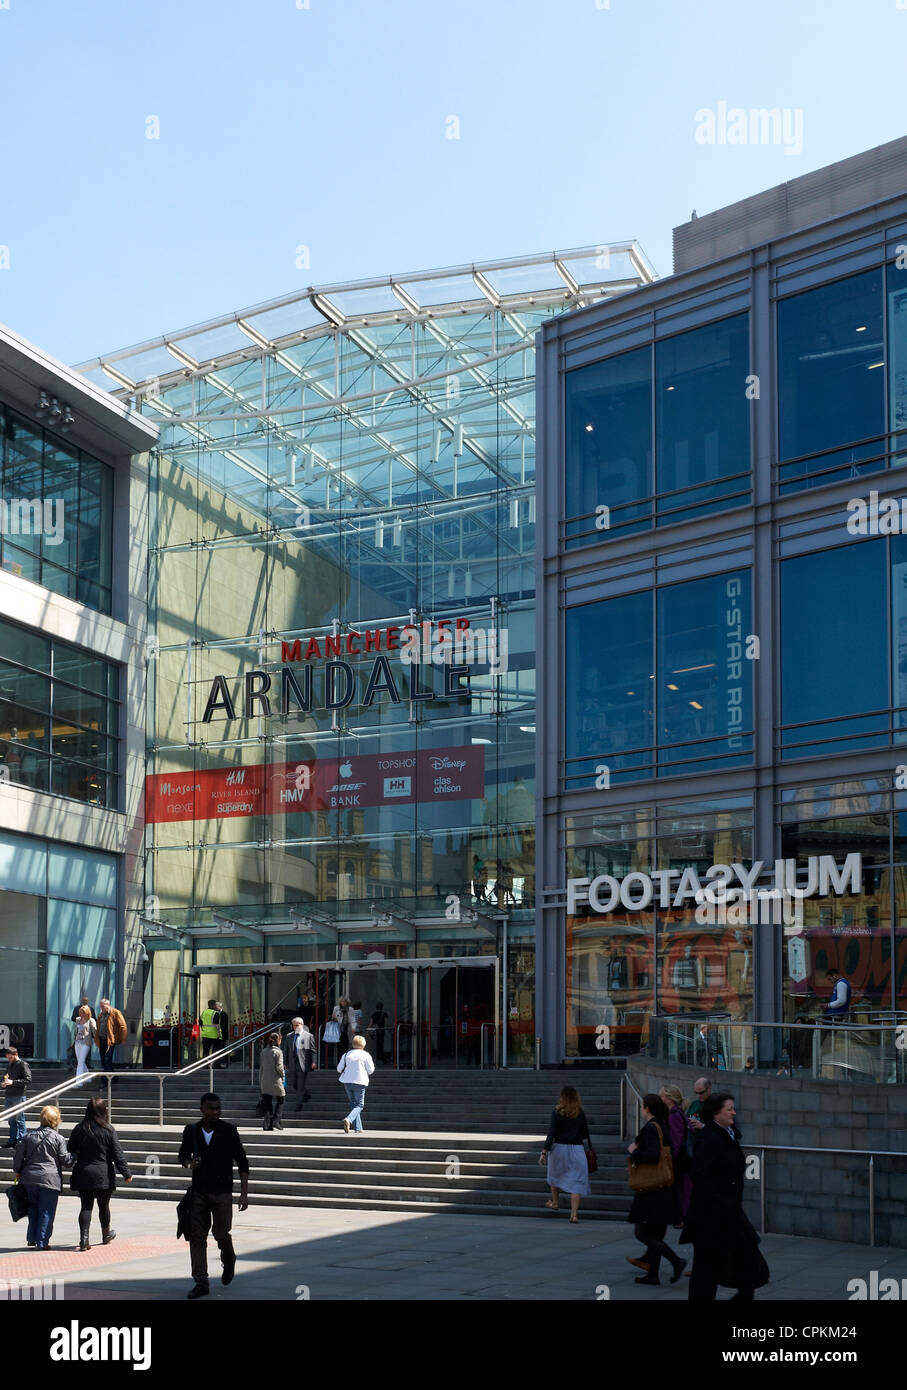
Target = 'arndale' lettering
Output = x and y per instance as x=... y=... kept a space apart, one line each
x=637 y=891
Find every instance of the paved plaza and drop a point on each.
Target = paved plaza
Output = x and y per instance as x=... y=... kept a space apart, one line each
x=295 y=1252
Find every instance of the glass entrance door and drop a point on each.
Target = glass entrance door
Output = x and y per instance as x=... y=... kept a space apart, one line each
x=78 y=977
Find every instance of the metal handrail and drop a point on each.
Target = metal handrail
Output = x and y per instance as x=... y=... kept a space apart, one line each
x=871 y=1154
x=627 y=1080
x=212 y=1057
x=493 y=1027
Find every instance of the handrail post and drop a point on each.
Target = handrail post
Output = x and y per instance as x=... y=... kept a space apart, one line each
x=538 y=1054
x=160 y=1081
x=108 y=1078
x=762 y=1191
x=872 y=1201
x=623 y=1102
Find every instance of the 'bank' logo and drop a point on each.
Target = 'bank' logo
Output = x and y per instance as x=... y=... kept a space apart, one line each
x=75 y=1343
x=397 y=786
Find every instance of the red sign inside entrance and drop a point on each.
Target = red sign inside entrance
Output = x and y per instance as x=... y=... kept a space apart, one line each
x=378 y=779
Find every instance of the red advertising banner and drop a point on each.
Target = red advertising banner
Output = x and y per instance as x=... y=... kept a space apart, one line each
x=376 y=779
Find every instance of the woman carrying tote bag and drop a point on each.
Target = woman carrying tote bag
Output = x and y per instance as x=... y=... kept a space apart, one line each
x=652 y=1179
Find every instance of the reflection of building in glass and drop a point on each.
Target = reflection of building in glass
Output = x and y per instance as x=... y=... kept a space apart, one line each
x=342 y=473
x=725 y=574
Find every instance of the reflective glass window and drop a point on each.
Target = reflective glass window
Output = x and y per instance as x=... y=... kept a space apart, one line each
x=831 y=377
x=830 y=609
x=704 y=679
x=702 y=419
x=608 y=443
x=609 y=688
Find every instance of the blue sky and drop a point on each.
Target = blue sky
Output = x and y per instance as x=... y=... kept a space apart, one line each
x=325 y=127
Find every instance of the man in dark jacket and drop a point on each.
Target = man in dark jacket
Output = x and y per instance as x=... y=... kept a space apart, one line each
x=223 y=1022
x=15 y=1084
x=210 y=1149
x=298 y=1059
x=724 y=1241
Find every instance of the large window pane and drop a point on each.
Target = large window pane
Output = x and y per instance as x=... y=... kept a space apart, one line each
x=704 y=678
x=830 y=370
x=609 y=687
x=608 y=412
x=834 y=648
x=702 y=417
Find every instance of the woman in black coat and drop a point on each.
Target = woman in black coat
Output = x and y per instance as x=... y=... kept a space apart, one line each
x=726 y=1248
x=651 y=1212
x=98 y=1157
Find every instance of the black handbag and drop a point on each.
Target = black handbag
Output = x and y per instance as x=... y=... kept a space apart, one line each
x=184 y=1205
x=18 y=1201
x=263 y=1107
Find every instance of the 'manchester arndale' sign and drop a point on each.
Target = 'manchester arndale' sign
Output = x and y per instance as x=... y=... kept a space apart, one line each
x=722 y=884
x=454 y=645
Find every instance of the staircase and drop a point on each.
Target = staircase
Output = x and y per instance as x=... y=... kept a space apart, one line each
x=455 y=1140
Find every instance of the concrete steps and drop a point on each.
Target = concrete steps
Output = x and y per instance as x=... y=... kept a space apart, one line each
x=466 y=1173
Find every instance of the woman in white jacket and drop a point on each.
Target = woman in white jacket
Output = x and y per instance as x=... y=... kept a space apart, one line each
x=355 y=1068
x=86 y=1032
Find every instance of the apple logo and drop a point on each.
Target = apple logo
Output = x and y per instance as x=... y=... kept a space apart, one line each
x=346 y=769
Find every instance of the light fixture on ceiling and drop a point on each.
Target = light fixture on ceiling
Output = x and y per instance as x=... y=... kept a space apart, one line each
x=696 y=704
x=673 y=687
x=590 y=429
x=397 y=532
x=436 y=444
x=451 y=581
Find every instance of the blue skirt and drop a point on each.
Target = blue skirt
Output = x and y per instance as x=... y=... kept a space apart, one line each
x=568 y=1169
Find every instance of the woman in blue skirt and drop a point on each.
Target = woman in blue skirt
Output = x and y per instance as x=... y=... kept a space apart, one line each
x=565 y=1151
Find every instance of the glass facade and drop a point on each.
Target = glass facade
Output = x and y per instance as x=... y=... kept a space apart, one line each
x=59 y=717
x=344 y=526
x=658 y=684
x=747 y=674
x=687 y=396
x=56 y=518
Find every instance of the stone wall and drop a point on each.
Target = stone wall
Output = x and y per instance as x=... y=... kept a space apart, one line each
x=812 y=1194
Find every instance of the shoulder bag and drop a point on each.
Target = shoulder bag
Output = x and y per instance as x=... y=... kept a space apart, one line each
x=652 y=1177
x=18 y=1201
x=184 y=1205
x=332 y=1031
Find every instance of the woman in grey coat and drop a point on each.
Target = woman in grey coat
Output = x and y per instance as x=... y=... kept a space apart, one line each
x=271 y=1082
x=39 y=1161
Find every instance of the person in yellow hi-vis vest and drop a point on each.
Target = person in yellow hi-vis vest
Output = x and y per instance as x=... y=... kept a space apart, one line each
x=210 y=1022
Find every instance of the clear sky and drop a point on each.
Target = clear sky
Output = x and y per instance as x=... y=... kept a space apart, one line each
x=283 y=126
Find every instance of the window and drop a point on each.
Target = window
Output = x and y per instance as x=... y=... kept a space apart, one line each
x=57 y=733
x=702 y=439
x=831 y=381
x=834 y=650
x=56 y=526
x=608 y=414
x=695 y=701
x=702 y=419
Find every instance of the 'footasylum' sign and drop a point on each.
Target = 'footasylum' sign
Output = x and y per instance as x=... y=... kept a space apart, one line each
x=718 y=885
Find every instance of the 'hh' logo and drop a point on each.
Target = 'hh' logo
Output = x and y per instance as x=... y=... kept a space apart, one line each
x=397 y=786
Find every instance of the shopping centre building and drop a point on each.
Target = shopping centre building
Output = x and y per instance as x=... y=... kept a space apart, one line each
x=722 y=605
x=341 y=682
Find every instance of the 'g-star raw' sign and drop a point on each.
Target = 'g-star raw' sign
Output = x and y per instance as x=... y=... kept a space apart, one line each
x=637 y=891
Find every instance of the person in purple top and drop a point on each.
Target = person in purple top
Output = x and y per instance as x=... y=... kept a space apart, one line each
x=678 y=1132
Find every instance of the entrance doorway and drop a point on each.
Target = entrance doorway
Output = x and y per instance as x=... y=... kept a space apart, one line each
x=414 y=1014
x=77 y=977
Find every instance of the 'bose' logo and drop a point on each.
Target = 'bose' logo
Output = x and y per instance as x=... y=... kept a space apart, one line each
x=73 y=1343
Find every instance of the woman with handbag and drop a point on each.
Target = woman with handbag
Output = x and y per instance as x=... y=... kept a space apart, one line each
x=98 y=1158
x=86 y=1032
x=681 y=1150
x=39 y=1161
x=651 y=1177
x=272 y=1082
x=725 y=1245
x=568 y=1152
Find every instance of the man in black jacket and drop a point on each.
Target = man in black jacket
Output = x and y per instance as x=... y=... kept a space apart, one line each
x=210 y=1149
x=15 y=1082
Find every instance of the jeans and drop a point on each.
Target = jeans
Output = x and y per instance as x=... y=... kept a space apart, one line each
x=42 y=1207
x=356 y=1097
x=17 y=1123
x=210 y=1208
x=107 y=1056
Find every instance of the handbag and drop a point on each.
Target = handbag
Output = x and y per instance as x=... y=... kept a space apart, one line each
x=332 y=1031
x=652 y=1177
x=592 y=1160
x=263 y=1106
x=18 y=1201
x=184 y=1205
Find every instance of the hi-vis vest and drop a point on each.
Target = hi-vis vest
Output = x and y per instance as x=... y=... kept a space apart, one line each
x=209 y=1030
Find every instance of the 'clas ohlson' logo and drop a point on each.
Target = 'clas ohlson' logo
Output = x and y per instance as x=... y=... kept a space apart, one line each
x=75 y=1343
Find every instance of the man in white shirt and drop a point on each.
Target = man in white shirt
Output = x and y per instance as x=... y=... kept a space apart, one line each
x=298 y=1060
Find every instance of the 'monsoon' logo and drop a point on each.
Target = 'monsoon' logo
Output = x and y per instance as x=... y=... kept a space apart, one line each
x=75 y=1343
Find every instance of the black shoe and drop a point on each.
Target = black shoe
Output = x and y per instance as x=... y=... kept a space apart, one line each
x=678 y=1271
x=198 y=1291
x=32 y=1243
x=84 y=1245
x=108 y=1236
x=277 y=1125
x=229 y=1271
x=299 y=1107
x=647 y=1279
